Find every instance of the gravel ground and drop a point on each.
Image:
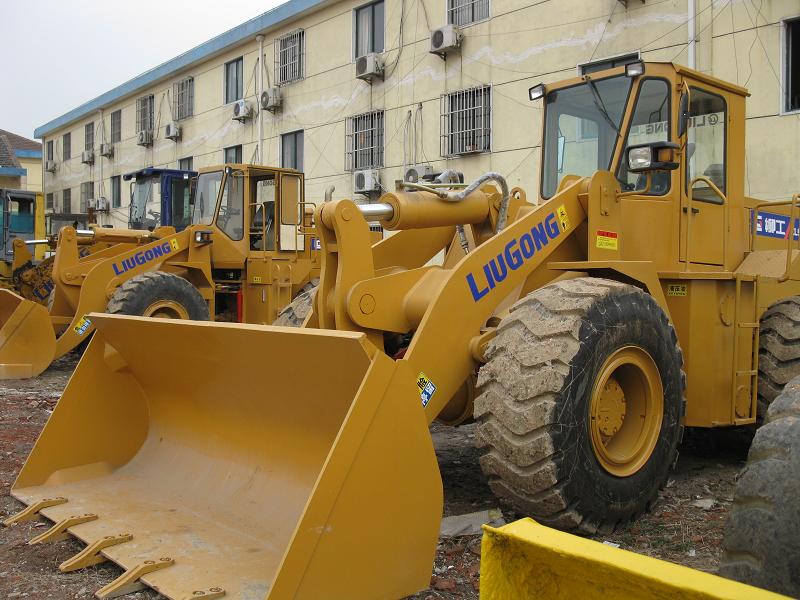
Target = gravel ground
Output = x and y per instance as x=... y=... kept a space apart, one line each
x=684 y=527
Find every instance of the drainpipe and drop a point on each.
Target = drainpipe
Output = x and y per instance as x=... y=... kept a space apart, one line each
x=692 y=10
x=99 y=159
x=260 y=39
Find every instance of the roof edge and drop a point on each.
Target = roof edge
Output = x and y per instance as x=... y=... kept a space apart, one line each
x=215 y=45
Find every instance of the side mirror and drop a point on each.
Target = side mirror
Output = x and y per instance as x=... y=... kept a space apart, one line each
x=683 y=114
x=655 y=156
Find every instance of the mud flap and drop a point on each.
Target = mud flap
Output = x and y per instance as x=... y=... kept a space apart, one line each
x=526 y=560
x=27 y=341
x=267 y=462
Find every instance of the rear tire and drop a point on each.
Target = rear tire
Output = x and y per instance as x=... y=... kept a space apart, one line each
x=762 y=537
x=537 y=397
x=159 y=295
x=779 y=350
x=294 y=315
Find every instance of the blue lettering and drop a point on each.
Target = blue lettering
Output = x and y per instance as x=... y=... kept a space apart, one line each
x=148 y=255
x=489 y=279
x=526 y=245
x=129 y=264
x=473 y=287
x=539 y=236
x=166 y=247
x=499 y=275
x=551 y=226
x=116 y=270
x=139 y=258
x=158 y=251
x=513 y=257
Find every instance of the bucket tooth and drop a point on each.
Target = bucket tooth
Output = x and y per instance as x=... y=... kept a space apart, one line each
x=91 y=555
x=59 y=530
x=209 y=594
x=128 y=582
x=32 y=511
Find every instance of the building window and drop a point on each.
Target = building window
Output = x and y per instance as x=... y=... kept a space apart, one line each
x=186 y=164
x=232 y=154
x=464 y=12
x=116 y=126
x=88 y=136
x=66 y=204
x=66 y=146
x=233 y=80
x=791 y=81
x=292 y=150
x=48 y=201
x=289 y=57
x=466 y=121
x=116 y=192
x=364 y=141
x=608 y=63
x=87 y=193
x=144 y=113
x=183 y=96
x=50 y=150
x=369 y=29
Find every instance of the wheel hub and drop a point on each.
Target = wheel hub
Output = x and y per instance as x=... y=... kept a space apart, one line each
x=166 y=309
x=611 y=409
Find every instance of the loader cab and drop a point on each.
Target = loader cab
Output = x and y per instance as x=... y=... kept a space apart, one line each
x=677 y=216
x=17 y=219
x=160 y=197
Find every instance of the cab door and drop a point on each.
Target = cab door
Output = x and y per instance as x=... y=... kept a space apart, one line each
x=703 y=224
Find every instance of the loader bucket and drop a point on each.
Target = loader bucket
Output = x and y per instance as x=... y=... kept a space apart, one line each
x=525 y=560
x=27 y=341
x=267 y=462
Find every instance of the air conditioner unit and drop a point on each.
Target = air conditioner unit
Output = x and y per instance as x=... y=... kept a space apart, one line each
x=369 y=67
x=366 y=181
x=445 y=40
x=145 y=138
x=172 y=132
x=241 y=110
x=107 y=150
x=101 y=204
x=415 y=173
x=87 y=157
x=50 y=166
x=271 y=99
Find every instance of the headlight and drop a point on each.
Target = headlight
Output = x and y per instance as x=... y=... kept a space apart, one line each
x=639 y=158
x=536 y=92
x=634 y=69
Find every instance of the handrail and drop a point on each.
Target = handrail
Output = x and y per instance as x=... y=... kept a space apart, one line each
x=793 y=203
x=689 y=199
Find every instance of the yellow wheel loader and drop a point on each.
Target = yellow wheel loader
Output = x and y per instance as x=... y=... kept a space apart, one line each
x=583 y=333
x=22 y=220
x=243 y=259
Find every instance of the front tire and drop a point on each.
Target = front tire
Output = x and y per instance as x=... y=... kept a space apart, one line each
x=159 y=295
x=580 y=404
x=779 y=350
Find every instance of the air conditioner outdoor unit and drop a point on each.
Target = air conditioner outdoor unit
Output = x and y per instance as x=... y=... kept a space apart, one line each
x=101 y=204
x=172 y=132
x=366 y=181
x=445 y=40
x=271 y=99
x=50 y=166
x=107 y=150
x=369 y=67
x=242 y=110
x=87 y=157
x=415 y=173
x=145 y=138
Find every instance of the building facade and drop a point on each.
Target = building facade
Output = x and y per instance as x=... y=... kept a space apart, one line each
x=20 y=162
x=465 y=109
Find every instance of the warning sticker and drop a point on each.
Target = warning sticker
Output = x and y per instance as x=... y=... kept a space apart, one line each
x=677 y=289
x=607 y=240
x=257 y=279
x=426 y=388
x=82 y=326
x=174 y=243
x=563 y=217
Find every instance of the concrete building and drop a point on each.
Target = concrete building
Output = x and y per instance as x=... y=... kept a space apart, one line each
x=20 y=162
x=466 y=109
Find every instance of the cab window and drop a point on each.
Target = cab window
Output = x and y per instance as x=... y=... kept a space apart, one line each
x=650 y=123
x=262 y=213
x=20 y=216
x=705 y=142
x=231 y=206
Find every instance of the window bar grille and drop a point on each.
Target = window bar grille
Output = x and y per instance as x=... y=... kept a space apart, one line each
x=466 y=121
x=464 y=12
x=289 y=56
x=365 y=137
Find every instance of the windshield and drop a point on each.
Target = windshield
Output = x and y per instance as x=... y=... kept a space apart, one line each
x=141 y=196
x=205 y=194
x=581 y=129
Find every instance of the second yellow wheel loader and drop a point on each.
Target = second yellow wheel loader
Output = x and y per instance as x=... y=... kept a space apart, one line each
x=243 y=258
x=583 y=334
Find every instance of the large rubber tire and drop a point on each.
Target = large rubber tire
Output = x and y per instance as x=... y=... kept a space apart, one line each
x=762 y=536
x=534 y=396
x=138 y=294
x=779 y=350
x=295 y=313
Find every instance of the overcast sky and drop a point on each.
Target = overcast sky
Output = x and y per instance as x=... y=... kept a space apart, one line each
x=57 y=54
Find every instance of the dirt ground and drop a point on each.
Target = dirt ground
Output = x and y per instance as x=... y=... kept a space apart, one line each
x=684 y=527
